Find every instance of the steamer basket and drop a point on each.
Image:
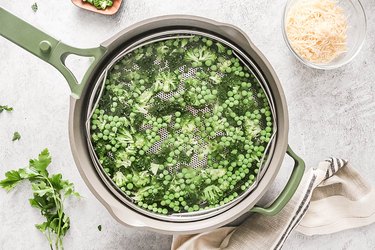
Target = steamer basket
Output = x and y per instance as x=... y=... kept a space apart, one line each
x=96 y=95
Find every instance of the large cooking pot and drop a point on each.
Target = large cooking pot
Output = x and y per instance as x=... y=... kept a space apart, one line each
x=55 y=52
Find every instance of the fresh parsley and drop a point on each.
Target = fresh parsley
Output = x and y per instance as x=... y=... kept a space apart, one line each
x=34 y=7
x=5 y=108
x=100 y=227
x=16 y=136
x=49 y=193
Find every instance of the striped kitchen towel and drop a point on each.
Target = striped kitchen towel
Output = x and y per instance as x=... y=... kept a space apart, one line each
x=333 y=187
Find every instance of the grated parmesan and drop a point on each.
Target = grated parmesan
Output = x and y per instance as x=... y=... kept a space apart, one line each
x=316 y=30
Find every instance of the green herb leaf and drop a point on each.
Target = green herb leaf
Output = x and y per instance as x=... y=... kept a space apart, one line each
x=5 y=108
x=34 y=7
x=42 y=227
x=42 y=203
x=65 y=224
x=100 y=227
x=48 y=196
x=57 y=182
x=16 y=136
x=40 y=165
x=69 y=190
x=41 y=188
x=13 y=177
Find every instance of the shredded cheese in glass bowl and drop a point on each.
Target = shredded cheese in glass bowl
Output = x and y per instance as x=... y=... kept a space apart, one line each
x=324 y=34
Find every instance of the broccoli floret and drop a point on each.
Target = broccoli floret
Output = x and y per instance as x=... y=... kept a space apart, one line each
x=154 y=168
x=100 y=122
x=145 y=96
x=109 y=3
x=184 y=42
x=200 y=55
x=216 y=173
x=166 y=82
x=124 y=137
x=214 y=146
x=119 y=92
x=162 y=50
x=141 y=102
x=224 y=66
x=192 y=82
x=252 y=129
x=148 y=192
x=139 y=56
x=149 y=50
x=167 y=118
x=102 y=4
x=220 y=48
x=188 y=126
x=212 y=194
x=215 y=78
x=119 y=179
x=142 y=193
x=140 y=141
x=140 y=108
x=122 y=158
x=141 y=179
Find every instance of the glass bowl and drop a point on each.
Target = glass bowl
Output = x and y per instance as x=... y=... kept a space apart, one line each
x=356 y=33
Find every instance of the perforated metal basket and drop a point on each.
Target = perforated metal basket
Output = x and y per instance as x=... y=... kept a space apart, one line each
x=97 y=93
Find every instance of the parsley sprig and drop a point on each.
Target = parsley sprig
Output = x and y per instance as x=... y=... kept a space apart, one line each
x=5 y=108
x=49 y=193
x=16 y=136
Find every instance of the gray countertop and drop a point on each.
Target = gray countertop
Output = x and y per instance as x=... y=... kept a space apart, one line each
x=331 y=113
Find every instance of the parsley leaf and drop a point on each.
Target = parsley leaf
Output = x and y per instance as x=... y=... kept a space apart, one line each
x=40 y=165
x=49 y=193
x=16 y=136
x=34 y=7
x=5 y=108
x=100 y=227
x=13 y=177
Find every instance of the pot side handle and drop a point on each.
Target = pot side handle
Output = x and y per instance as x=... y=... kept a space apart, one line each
x=47 y=48
x=126 y=217
x=239 y=36
x=289 y=189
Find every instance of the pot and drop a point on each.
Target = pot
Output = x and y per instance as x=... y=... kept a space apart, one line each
x=55 y=53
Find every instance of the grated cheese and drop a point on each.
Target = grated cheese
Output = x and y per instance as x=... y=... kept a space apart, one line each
x=316 y=30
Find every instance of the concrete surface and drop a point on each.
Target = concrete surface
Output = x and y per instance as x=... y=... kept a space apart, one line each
x=331 y=113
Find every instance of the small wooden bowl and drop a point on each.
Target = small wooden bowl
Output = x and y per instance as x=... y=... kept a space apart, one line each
x=108 y=11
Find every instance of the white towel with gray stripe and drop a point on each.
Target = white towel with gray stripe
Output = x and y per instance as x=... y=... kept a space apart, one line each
x=333 y=187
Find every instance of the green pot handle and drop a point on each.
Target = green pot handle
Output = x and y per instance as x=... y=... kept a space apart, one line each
x=47 y=48
x=289 y=190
